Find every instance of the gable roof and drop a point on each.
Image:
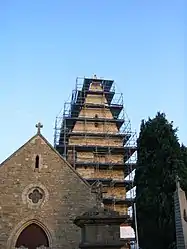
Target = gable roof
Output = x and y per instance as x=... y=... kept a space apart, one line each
x=54 y=150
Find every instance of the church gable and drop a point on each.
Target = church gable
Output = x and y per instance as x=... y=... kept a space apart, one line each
x=41 y=189
x=38 y=156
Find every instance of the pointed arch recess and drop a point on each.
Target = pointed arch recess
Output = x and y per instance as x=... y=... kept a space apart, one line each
x=33 y=236
x=22 y=226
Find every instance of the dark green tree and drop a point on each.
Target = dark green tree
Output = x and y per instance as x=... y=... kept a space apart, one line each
x=159 y=160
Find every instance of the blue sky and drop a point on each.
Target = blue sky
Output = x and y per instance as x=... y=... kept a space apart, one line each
x=45 y=45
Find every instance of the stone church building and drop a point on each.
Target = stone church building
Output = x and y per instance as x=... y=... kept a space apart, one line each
x=41 y=196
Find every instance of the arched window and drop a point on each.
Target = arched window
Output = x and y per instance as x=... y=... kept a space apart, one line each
x=32 y=236
x=37 y=162
x=96 y=123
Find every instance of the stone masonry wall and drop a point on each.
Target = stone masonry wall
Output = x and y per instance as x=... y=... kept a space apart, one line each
x=90 y=172
x=109 y=141
x=89 y=157
x=86 y=127
x=65 y=196
x=90 y=113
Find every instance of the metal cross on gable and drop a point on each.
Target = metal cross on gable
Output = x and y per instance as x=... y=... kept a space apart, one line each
x=39 y=126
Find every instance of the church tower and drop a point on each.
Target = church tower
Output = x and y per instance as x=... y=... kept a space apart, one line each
x=94 y=135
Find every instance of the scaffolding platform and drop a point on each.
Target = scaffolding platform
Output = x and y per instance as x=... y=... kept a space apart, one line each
x=93 y=126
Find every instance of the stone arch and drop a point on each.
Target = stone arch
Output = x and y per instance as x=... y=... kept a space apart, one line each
x=32 y=237
x=21 y=227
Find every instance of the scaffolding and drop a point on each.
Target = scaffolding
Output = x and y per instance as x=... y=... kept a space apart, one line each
x=65 y=122
x=76 y=101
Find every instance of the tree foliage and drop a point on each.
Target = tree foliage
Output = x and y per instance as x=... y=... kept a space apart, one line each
x=160 y=159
